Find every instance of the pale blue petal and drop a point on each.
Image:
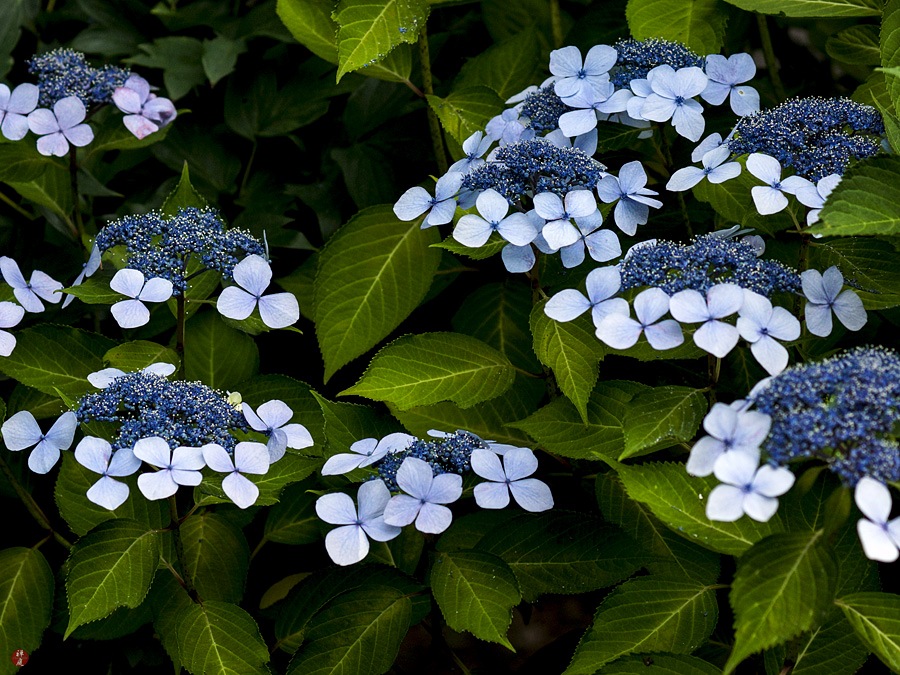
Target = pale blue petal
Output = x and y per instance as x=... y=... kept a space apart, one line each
x=472 y=231
x=240 y=490
x=412 y=203
x=347 y=545
x=487 y=465
x=341 y=464
x=548 y=206
x=401 y=510
x=253 y=274
x=531 y=494
x=603 y=245
x=717 y=338
x=848 y=308
x=619 y=331
x=108 y=493
x=372 y=497
x=433 y=518
x=770 y=354
x=336 y=508
x=445 y=489
x=517 y=259
x=685 y=179
x=491 y=495
x=744 y=100
x=157 y=485
x=156 y=290
x=725 y=503
x=94 y=454
x=664 y=335
x=704 y=455
x=764 y=167
x=759 y=507
x=20 y=431
x=43 y=458
x=153 y=450
x=279 y=310
x=566 y=305
x=130 y=313
x=128 y=282
x=379 y=530
x=235 y=303
x=414 y=477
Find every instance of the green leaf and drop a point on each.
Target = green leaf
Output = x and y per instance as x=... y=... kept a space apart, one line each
x=866 y=202
x=572 y=351
x=82 y=515
x=424 y=369
x=476 y=593
x=562 y=552
x=673 y=555
x=139 y=354
x=220 y=57
x=56 y=359
x=699 y=24
x=646 y=615
x=113 y=135
x=889 y=44
x=359 y=631
x=497 y=314
x=875 y=618
x=489 y=419
x=811 y=8
x=372 y=274
x=293 y=519
x=368 y=30
x=217 y=556
x=346 y=423
x=507 y=67
x=661 y=664
x=26 y=602
x=219 y=356
x=871 y=265
x=679 y=501
x=856 y=45
x=493 y=246
x=784 y=585
x=22 y=162
x=465 y=111
x=51 y=188
x=183 y=196
x=832 y=648
x=96 y=291
x=558 y=428
x=108 y=568
x=218 y=637
x=662 y=417
x=180 y=59
x=298 y=396
x=311 y=25
x=289 y=469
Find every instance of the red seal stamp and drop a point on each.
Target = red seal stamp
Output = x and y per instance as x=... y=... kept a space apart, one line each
x=19 y=657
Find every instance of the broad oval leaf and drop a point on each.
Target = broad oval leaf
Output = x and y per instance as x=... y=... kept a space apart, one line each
x=311 y=25
x=293 y=519
x=811 y=8
x=359 y=631
x=216 y=555
x=679 y=500
x=699 y=24
x=476 y=592
x=139 y=354
x=466 y=110
x=110 y=567
x=346 y=423
x=218 y=637
x=856 y=44
x=422 y=369
x=865 y=202
x=506 y=67
x=217 y=355
x=875 y=618
x=662 y=417
x=661 y=664
x=26 y=601
x=372 y=274
x=647 y=615
x=832 y=648
x=784 y=585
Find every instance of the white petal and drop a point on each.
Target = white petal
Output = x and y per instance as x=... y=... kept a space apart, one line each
x=566 y=305
x=130 y=313
x=664 y=335
x=876 y=542
x=873 y=498
x=487 y=465
x=250 y=457
x=342 y=463
x=347 y=545
x=414 y=477
x=725 y=503
x=433 y=518
x=235 y=303
x=689 y=306
x=764 y=167
x=685 y=179
x=704 y=455
x=412 y=204
x=153 y=450
x=240 y=490
x=298 y=436
x=157 y=485
x=401 y=510
x=20 y=431
x=253 y=274
x=472 y=231
x=108 y=493
x=372 y=497
x=531 y=494
x=491 y=495
x=279 y=310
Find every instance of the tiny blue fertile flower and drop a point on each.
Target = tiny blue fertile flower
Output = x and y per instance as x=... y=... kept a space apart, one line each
x=416 y=201
x=97 y=455
x=64 y=72
x=636 y=58
x=746 y=488
x=425 y=497
x=21 y=431
x=253 y=276
x=14 y=106
x=60 y=126
x=725 y=76
x=349 y=543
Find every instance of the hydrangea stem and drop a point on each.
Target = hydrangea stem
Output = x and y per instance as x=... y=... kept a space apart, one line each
x=434 y=125
x=9 y=202
x=32 y=505
x=714 y=366
x=769 y=55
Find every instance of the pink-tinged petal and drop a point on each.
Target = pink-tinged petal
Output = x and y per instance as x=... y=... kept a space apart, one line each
x=877 y=544
x=725 y=504
x=130 y=313
x=217 y=458
x=20 y=431
x=42 y=122
x=401 y=510
x=433 y=518
x=94 y=454
x=342 y=463
x=160 y=110
x=717 y=338
x=240 y=490
x=874 y=499
x=153 y=450
x=108 y=493
x=770 y=354
x=760 y=507
x=472 y=231
x=128 y=100
x=140 y=126
x=157 y=485
x=818 y=319
x=532 y=495
x=487 y=465
x=79 y=135
x=62 y=432
x=253 y=274
x=235 y=303
x=279 y=310
x=336 y=508
x=250 y=457
x=773 y=481
x=156 y=290
x=372 y=497
x=128 y=282
x=53 y=145
x=139 y=85
x=412 y=203
x=7 y=343
x=347 y=545
x=14 y=127
x=43 y=458
x=664 y=335
x=519 y=463
x=491 y=495
x=619 y=331
x=849 y=310
x=703 y=456
x=23 y=99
